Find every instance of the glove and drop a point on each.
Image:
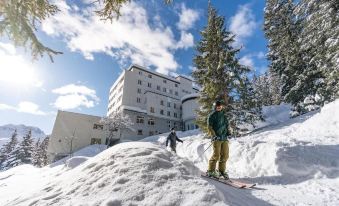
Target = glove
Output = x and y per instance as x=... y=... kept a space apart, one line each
x=214 y=138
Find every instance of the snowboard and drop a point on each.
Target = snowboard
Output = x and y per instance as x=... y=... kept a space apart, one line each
x=231 y=182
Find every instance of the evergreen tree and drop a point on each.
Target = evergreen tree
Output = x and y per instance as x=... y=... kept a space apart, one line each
x=43 y=159
x=35 y=155
x=221 y=76
x=7 y=149
x=13 y=159
x=26 y=148
x=300 y=77
x=319 y=39
x=267 y=89
x=262 y=89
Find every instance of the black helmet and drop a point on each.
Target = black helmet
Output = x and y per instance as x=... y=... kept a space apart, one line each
x=217 y=103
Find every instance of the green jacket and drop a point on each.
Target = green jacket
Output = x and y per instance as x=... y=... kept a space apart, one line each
x=218 y=125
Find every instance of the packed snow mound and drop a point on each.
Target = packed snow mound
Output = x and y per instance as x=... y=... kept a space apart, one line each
x=75 y=161
x=127 y=174
x=83 y=154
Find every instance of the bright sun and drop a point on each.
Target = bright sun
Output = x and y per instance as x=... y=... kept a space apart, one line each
x=15 y=71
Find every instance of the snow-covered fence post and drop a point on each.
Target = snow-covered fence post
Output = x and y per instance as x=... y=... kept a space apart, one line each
x=116 y=121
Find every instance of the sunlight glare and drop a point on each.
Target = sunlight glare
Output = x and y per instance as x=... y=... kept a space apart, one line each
x=15 y=71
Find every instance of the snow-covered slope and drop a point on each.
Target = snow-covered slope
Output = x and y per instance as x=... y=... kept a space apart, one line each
x=295 y=162
x=6 y=132
x=126 y=174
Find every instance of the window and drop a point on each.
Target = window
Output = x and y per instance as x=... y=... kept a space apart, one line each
x=140 y=73
x=158 y=87
x=139 y=82
x=139 y=90
x=95 y=141
x=176 y=85
x=176 y=93
x=140 y=119
x=169 y=123
x=175 y=115
x=152 y=109
x=161 y=102
x=151 y=121
x=171 y=91
x=162 y=112
x=168 y=113
x=151 y=133
x=164 y=89
x=164 y=81
x=180 y=107
x=138 y=99
x=150 y=76
x=168 y=104
x=175 y=105
x=149 y=85
x=140 y=132
x=98 y=126
x=175 y=125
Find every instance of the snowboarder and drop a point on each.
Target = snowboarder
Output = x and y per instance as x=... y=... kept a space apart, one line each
x=173 y=138
x=218 y=131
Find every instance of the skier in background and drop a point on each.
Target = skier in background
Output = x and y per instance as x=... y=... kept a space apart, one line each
x=218 y=131
x=173 y=138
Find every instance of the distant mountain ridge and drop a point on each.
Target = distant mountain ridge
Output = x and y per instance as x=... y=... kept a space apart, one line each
x=6 y=132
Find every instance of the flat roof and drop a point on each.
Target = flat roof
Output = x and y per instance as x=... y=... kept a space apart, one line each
x=62 y=111
x=153 y=72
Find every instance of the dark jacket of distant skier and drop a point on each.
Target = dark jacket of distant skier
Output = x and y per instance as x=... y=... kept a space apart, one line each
x=173 y=138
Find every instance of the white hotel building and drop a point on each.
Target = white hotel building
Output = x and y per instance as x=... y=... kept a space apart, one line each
x=154 y=102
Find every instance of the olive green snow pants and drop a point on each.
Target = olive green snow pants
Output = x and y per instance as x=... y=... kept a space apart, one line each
x=220 y=153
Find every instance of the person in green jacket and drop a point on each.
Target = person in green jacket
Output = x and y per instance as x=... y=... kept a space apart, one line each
x=218 y=131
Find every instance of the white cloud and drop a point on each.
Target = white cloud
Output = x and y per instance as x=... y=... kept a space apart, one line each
x=15 y=71
x=247 y=61
x=74 y=96
x=24 y=107
x=6 y=107
x=252 y=58
x=186 y=40
x=243 y=24
x=261 y=55
x=187 y=18
x=192 y=68
x=30 y=107
x=131 y=38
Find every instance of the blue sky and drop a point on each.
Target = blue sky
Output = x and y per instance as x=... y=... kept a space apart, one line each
x=149 y=33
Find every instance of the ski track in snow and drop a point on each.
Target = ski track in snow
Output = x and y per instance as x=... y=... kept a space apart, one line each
x=293 y=163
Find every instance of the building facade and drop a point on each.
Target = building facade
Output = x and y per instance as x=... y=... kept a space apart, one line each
x=74 y=131
x=152 y=100
x=189 y=106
